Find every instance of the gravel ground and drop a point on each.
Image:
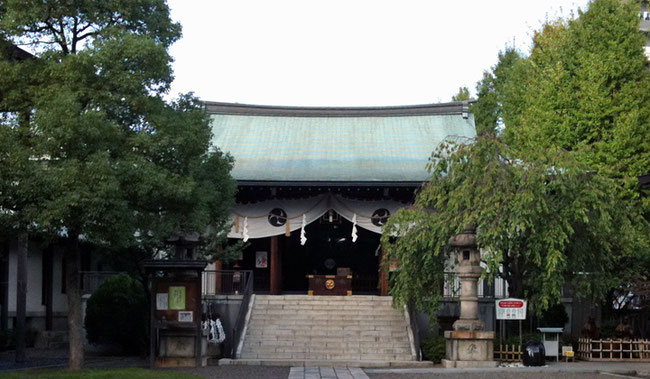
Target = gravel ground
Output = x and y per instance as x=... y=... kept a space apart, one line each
x=238 y=372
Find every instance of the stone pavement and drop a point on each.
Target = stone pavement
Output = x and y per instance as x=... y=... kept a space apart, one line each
x=327 y=373
x=640 y=369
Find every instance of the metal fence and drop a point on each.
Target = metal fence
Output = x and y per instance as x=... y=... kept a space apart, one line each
x=497 y=289
x=225 y=282
x=90 y=280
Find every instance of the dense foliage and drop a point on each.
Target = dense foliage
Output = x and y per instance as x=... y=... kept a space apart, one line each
x=433 y=349
x=117 y=313
x=551 y=181
x=90 y=150
x=540 y=223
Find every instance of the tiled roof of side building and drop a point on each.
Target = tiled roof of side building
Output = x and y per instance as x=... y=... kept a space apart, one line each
x=338 y=144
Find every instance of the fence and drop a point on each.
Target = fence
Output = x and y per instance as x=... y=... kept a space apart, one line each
x=225 y=282
x=613 y=350
x=90 y=280
x=365 y=284
x=497 y=289
x=508 y=353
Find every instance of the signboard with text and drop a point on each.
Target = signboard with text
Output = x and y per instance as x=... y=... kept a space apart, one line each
x=510 y=309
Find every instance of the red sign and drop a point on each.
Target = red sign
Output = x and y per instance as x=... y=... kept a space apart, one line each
x=511 y=304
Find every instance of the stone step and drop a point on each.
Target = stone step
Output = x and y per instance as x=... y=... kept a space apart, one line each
x=325 y=363
x=292 y=350
x=332 y=356
x=322 y=316
x=354 y=298
x=329 y=343
x=303 y=327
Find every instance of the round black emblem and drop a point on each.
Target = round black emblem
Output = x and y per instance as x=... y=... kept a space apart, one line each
x=380 y=216
x=277 y=217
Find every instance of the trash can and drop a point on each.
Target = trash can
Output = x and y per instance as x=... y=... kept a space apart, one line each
x=534 y=354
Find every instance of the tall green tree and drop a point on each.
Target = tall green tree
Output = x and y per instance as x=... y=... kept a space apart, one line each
x=124 y=169
x=462 y=95
x=540 y=223
x=496 y=93
x=585 y=88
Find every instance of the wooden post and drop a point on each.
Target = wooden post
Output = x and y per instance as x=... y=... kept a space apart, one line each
x=275 y=266
x=383 y=273
x=48 y=257
x=198 y=340
x=4 y=286
x=153 y=331
x=21 y=296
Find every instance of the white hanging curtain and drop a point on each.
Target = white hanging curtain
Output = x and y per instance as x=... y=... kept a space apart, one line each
x=277 y=217
x=366 y=211
x=262 y=222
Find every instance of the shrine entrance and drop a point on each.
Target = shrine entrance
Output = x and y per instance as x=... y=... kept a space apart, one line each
x=329 y=248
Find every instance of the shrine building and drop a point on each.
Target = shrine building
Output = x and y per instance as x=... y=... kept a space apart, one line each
x=316 y=185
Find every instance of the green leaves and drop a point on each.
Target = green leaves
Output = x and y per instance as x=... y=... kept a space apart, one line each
x=541 y=220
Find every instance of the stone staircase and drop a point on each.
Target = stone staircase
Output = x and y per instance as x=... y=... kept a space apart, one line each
x=301 y=327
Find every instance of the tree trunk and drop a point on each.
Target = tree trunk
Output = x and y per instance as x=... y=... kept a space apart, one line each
x=21 y=296
x=73 y=262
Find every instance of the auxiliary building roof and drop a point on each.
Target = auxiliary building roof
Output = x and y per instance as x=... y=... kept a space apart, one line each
x=336 y=145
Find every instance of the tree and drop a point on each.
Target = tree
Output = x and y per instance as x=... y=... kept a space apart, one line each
x=494 y=93
x=540 y=223
x=124 y=169
x=585 y=88
x=462 y=95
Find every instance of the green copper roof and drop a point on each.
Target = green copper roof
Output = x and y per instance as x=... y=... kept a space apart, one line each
x=335 y=144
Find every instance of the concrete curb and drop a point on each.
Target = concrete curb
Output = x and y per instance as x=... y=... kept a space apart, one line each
x=546 y=370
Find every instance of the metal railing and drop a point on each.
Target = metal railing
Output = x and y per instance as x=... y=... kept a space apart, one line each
x=225 y=282
x=498 y=289
x=365 y=283
x=238 y=329
x=91 y=280
x=415 y=329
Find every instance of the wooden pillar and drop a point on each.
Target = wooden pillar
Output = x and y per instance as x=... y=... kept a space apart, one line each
x=4 y=286
x=276 y=264
x=21 y=296
x=48 y=285
x=383 y=273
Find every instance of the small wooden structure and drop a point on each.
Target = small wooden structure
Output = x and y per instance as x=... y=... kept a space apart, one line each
x=330 y=285
x=508 y=353
x=551 y=340
x=176 y=335
x=637 y=350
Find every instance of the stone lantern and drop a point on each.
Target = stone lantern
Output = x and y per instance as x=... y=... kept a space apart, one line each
x=468 y=345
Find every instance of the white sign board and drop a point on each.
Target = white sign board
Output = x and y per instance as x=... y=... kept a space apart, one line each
x=511 y=309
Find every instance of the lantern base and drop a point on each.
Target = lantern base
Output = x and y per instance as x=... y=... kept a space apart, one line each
x=469 y=349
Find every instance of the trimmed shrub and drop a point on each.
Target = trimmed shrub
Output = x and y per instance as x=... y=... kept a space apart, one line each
x=433 y=349
x=117 y=313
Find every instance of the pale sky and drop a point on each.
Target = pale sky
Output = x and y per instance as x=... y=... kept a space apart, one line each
x=347 y=53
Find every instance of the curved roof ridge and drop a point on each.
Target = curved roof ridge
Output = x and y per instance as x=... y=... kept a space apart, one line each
x=451 y=108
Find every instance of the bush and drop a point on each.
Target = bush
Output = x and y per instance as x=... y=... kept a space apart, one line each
x=117 y=313
x=433 y=349
x=554 y=316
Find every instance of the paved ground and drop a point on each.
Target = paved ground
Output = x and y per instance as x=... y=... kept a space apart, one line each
x=497 y=375
x=57 y=358
x=327 y=373
x=237 y=372
x=571 y=370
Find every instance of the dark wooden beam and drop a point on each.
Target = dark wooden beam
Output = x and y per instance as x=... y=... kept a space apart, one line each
x=21 y=296
x=275 y=267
